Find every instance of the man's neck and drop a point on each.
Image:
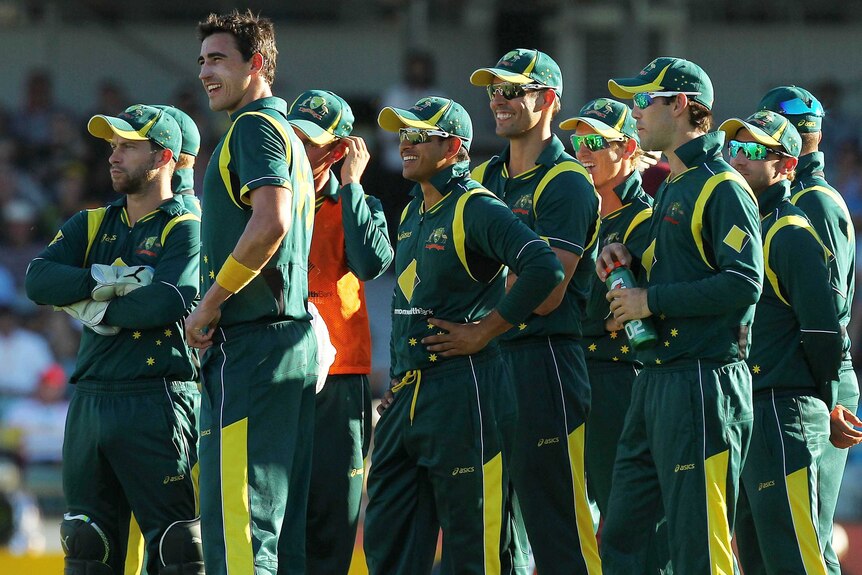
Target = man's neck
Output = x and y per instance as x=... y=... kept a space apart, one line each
x=677 y=166
x=524 y=151
x=320 y=183
x=142 y=203
x=257 y=90
x=430 y=195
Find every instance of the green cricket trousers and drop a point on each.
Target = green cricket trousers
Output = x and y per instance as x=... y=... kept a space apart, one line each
x=684 y=441
x=257 y=426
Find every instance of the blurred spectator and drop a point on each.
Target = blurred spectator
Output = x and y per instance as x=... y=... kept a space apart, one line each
x=31 y=123
x=20 y=238
x=21 y=529
x=37 y=423
x=24 y=356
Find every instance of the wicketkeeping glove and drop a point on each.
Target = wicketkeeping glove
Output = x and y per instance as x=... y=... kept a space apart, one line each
x=117 y=281
x=91 y=313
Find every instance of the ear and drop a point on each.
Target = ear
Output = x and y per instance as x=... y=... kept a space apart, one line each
x=256 y=62
x=630 y=147
x=788 y=165
x=163 y=158
x=454 y=147
x=680 y=103
x=339 y=151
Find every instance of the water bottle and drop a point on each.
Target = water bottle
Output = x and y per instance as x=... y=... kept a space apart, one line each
x=640 y=332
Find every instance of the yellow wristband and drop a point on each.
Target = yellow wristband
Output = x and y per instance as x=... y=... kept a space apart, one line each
x=233 y=276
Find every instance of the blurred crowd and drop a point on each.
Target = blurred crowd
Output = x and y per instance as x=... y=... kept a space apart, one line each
x=50 y=168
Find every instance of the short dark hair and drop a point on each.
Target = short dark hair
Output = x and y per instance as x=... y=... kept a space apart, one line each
x=810 y=142
x=252 y=32
x=699 y=116
x=463 y=154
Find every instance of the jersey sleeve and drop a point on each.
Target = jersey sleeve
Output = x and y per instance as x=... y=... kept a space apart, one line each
x=263 y=157
x=174 y=287
x=567 y=210
x=732 y=242
x=802 y=269
x=835 y=229
x=493 y=231
x=59 y=275
x=366 y=237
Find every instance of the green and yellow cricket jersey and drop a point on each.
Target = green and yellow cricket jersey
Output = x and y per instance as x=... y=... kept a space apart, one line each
x=448 y=264
x=704 y=259
x=151 y=344
x=797 y=341
x=629 y=225
x=259 y=149
x=830 y=217
x=557 y=200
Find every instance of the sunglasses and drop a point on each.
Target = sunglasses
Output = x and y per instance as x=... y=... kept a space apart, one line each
x=751 y=150
x=419 y=136
x=594 y=142
x=644 y=99
x=511 y=91
x=798 y=107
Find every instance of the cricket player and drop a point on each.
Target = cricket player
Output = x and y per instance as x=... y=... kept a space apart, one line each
x=129 y=272
x=689 y=423
x=350 y=246
x=795 y=357
x=441 y=448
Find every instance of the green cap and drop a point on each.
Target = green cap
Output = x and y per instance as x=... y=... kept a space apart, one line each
x=431 y=113
x=607 y=117
x=140 y=122
x=666 y=75
x=522 y=66
x=768 y=128
x=188 y=129
x=797 y=104
x=322 y=116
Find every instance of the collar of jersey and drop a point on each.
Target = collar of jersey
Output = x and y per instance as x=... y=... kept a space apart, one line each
x=271 y=102
x=330 y=191
x=809 y=164
x=630 y=188
x=769 y=199
x=703 y=149
x=549 y=157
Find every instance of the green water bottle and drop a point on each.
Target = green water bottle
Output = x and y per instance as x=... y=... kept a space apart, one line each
x=641 y=332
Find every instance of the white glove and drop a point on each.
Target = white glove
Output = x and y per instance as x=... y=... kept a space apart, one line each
x=91 y=313
x=325 y=349
x=117 y=281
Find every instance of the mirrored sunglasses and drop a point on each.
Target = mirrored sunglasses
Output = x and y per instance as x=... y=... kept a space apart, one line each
x=510 y=91
x=799 y=107
x=644 y=99
x=751 y=150
x=594 y=142
x=419 y=136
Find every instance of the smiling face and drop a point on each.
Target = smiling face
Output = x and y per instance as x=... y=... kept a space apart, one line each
x=605 y=166
x=419 y=162
x=225 y=76
x=518 y=116
x=132 y=164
